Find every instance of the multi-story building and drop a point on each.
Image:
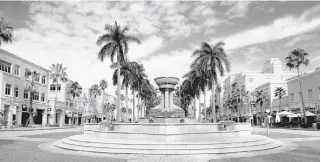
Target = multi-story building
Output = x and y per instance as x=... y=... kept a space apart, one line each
x=249 y=81
x=272 y=103
x=15 y=97
x=310 y=89
x=67 y=108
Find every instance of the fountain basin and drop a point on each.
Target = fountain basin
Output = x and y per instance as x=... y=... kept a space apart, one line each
x=167 y=132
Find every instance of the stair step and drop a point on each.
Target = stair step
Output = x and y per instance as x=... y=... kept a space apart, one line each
x=165 y=147
x=99 y=140
x=63 y=145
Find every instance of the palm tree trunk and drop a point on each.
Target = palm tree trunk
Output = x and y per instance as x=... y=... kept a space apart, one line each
x=261 y=106
x=205 y=116
x=118 y=89
x=302 y=98
x=280 y=104
x=30 y=120
x=134 y=98
x=194 y=110
x=126 y=98
x=55 y=106
x=199 y=109
x=238 y=111
x=213 y=99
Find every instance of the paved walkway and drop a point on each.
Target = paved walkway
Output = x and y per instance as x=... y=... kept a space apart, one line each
x=288 y=131
x=35 y=129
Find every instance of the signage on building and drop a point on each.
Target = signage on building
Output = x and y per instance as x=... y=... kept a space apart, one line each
x=49 y=109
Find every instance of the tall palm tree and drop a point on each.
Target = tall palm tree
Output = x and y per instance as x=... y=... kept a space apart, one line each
x=57 y=73
x=74 y=89
x=5 y=31
x=279 y=92
x=94 y=91
x=32 y=89
x=103 y=85
x=212 y=59
x=295 y=59
x=261 y=98
x=115 y=42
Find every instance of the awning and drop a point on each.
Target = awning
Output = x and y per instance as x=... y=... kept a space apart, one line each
x=285 y=113
x=308 y=113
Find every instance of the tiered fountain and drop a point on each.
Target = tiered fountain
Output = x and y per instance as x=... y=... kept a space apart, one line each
x=167 y=134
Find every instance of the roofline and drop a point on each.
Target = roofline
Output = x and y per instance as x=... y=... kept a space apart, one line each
x=22 y=59
x=294 y=78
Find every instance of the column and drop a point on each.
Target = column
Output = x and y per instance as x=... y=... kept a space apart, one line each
x=76 y=122
x=19 y=116
x=162 y=99
x=10 y=115
x=166 y=98
x=61 y=118
x=69 y=121
x=44 y=118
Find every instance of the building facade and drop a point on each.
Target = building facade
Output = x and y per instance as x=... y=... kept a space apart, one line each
x=310 y=89
x=15 y=97
x=68 y=110
x=271 y=72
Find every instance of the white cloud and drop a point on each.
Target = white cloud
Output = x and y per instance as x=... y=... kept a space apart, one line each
x=278 y=29
x=239 y=9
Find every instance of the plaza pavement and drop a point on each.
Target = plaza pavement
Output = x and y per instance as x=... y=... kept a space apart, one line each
x=25 y=146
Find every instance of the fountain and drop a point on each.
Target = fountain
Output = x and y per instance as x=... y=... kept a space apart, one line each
x=166 y=135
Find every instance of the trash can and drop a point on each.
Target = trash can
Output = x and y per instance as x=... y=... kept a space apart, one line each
x=314 y=126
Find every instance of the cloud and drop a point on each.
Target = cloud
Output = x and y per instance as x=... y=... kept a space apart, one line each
x=280 y=28
x=239 y=9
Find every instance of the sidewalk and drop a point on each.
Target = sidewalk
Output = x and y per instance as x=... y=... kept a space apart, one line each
x=37 y=128
x=288 y=128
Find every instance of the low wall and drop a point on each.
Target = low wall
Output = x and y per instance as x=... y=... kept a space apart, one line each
x=167 y=132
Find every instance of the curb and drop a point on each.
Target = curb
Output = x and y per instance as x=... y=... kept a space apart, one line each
x=34 y=129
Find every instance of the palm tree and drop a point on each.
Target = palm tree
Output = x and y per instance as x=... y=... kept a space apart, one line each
x=94 y=91
x=261 y=97
x=103 y=85
x=210 y=60
x=295 y=59
x=116 y=43
x=5 y=31
x=279 y=92
x=75 y=90
x=32 y=89
x=57 y=73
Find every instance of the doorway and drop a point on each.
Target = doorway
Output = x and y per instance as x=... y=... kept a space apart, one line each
x=38 y=117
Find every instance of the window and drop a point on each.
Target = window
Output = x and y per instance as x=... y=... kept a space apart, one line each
x=35 y=96
x=43 y=97
x=58 y=87
x=27 y=73
x=251 y=80
x=8 y=90
x=36 y=78
x=52 y=87
x=292 y=97
x=16 y=91
x=310 y=94
x=5 y=66
x=16 y=70
x=43 y=80
x=25 y=94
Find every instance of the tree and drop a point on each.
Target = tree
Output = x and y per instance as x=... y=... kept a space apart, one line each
x=261 y=97
x=74 y=89
x=103 y=85
x=210 y=60
x=218 y=90
x=279 y=92
x=295 y=59
x=5 y=31
x=32 y=89
x=115 y=43
x=57 y=73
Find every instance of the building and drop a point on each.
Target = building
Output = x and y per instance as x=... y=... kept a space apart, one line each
x=272 y=103
x=14 y=96
x=310 y=89
x=68 y=110
x=271 y=72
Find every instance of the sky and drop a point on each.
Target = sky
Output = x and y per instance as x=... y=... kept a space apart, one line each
x=46 y=33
